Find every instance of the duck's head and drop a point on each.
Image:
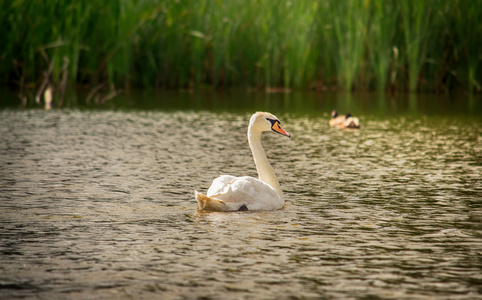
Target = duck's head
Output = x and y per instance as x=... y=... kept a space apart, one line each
x=334 y=114
x=264 y=121
x=348 y=115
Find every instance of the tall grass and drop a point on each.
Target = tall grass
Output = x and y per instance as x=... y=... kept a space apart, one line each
x=466 y=19
x=348 y=34
x=411 y=45
x=381 y=44
x=416 y=16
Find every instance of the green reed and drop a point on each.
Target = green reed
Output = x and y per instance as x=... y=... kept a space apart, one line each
x=416 y=17
x=381 y=43
x=374 y=44
x=349 y=24
x=466 y=18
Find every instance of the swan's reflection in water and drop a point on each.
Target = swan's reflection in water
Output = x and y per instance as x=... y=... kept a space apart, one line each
x=99 y=204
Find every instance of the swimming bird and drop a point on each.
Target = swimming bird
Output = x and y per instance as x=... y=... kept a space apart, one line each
x=350 y=122
x=346 y=121
x=336 y=120
x=230 y=193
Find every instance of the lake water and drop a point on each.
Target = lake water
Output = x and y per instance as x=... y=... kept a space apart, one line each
x=97 y=203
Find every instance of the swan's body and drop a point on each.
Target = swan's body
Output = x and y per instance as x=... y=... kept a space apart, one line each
x=229 y=193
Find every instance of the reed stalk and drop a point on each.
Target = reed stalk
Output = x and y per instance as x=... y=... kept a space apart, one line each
x=416 y=16
x=349 y=23
x=468 y=29
x=380 y=40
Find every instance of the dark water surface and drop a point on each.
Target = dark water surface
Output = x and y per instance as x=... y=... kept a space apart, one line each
x=98 y=203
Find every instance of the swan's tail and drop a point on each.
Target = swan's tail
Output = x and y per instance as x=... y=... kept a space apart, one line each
x=208 y=203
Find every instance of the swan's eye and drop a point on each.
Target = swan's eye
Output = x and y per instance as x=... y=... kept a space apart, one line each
x=272 y=121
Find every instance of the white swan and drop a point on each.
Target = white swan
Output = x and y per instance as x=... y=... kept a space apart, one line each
x=229 y=193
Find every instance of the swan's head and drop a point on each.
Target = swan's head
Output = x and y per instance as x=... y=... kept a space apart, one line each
x=264 y=121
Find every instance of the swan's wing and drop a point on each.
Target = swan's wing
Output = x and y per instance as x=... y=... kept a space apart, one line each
x=253 y=188
x=221 y=185
x=256 y=194
x=248 y=191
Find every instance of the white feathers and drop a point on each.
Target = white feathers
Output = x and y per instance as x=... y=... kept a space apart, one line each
x=248 y=191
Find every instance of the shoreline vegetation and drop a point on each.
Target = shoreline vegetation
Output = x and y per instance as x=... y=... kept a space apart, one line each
x=277 y=46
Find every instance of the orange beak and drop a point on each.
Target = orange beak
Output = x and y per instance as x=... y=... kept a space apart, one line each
x=277 y=127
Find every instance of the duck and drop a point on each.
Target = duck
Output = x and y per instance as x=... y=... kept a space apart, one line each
x=230 y=193
x=336 y=119
x=343 y=122
x=350 y=123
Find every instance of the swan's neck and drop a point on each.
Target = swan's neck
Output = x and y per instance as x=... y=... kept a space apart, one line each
x=265 y=171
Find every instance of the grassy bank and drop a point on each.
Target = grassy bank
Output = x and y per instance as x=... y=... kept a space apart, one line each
x=431 y=45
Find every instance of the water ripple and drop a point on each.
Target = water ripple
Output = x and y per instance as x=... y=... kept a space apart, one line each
x=99 y=204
